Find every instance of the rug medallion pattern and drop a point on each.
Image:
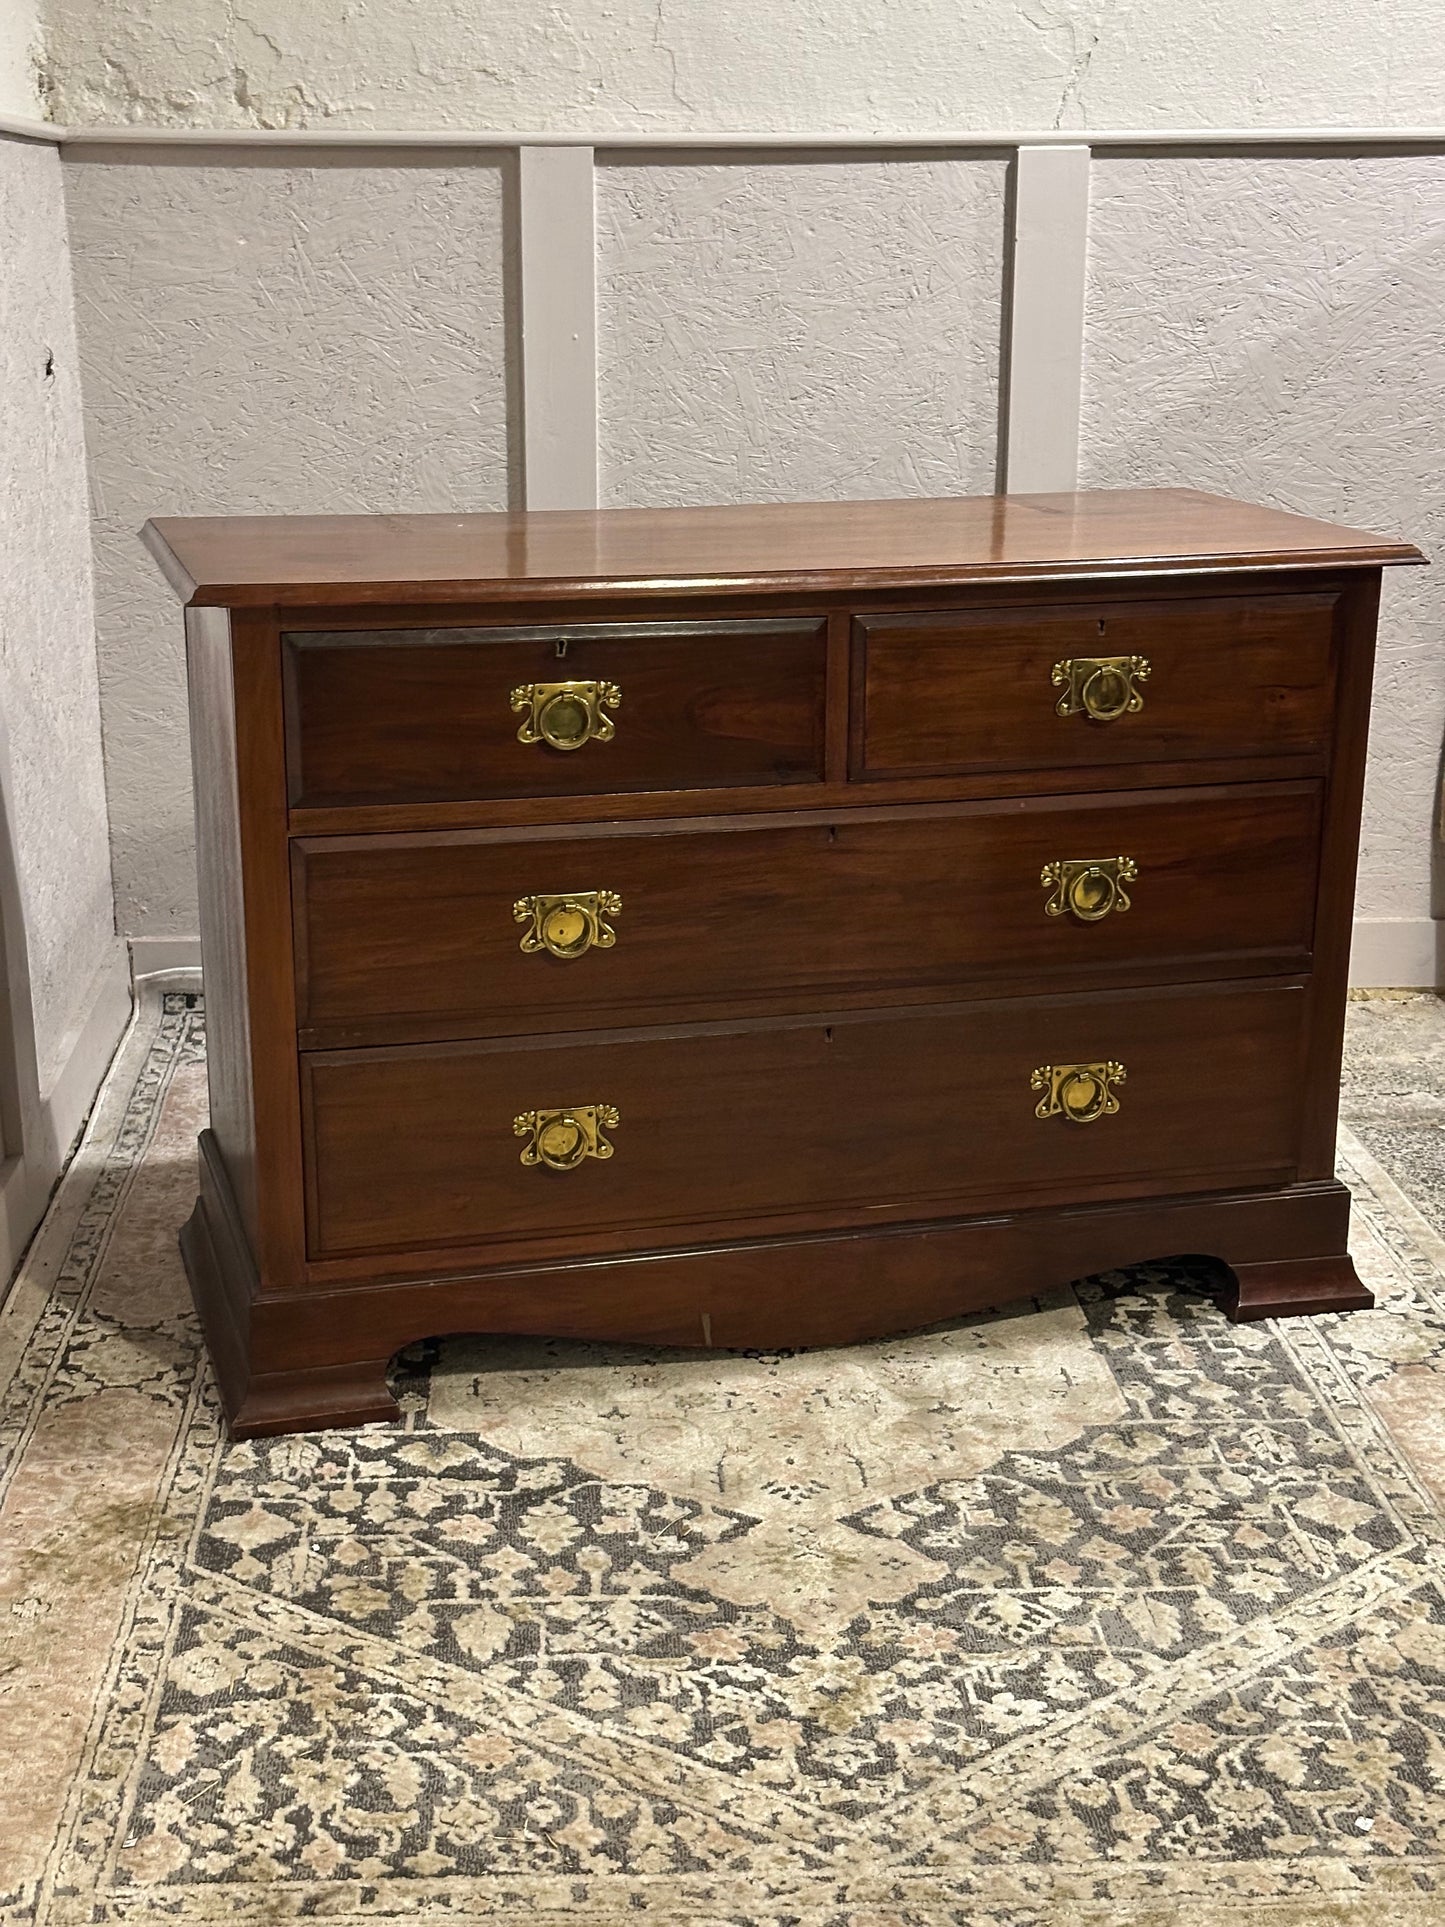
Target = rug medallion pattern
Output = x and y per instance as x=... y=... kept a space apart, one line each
x=1096 y=1610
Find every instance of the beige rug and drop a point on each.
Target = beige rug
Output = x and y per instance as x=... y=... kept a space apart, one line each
x=1102 y=1612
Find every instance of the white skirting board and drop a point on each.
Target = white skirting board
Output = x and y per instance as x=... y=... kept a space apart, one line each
x=1397 y=953
x=151 y=955
x=53 y=1121
x=1388 y=953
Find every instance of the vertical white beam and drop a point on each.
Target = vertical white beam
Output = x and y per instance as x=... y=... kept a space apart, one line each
x=559 y=327
x=1046 y=328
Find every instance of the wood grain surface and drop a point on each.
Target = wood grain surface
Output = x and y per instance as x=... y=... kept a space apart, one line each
x=973 y=690
x=378 y=718
x=910 y=1115
x=296 y=560
x=409 y=938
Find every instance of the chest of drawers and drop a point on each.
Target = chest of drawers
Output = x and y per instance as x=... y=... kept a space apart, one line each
x=762 y=926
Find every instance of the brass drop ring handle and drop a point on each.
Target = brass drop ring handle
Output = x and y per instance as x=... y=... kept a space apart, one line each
x=1079 y=1093
x=560 y=1140
x=566 y=715
x=568 y=925
x=1103 y=688
x=1088 y=887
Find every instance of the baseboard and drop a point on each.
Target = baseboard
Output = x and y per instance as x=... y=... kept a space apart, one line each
x=27 y=1180
x=150 y=954
x=1397 y=953
x=1388 y=952
x=67 y=1103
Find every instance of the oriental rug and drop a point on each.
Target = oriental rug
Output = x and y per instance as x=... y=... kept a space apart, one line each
x=1094 y=1610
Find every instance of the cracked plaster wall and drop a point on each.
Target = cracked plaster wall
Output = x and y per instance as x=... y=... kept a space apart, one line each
x=1274 y=327
x=782 y=331
x=53 y=819
x=265 y=339
x=784 y=65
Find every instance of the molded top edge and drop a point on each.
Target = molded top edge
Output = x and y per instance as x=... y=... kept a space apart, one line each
x=521 y=556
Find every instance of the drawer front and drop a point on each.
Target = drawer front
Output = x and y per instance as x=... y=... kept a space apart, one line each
x=404 y=716
x=918 y=1116
x=402 y=938
x=1092 y=683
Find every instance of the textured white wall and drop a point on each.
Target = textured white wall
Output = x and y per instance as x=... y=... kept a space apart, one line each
x=53 y=836
x=20 y=59
x=768 y=332
x=278 y=337
x=265 y=339
x=785 y=65
x=1275 y=328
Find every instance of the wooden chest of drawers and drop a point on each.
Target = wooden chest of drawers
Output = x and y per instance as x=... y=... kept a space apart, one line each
x=762 y=926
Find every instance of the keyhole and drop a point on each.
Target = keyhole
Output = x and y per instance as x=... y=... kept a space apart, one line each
x=564 y=643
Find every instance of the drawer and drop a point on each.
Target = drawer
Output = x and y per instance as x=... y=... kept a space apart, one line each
x=856 y=1121
x=407 y=937
x=426 y=715
x=1017 y=688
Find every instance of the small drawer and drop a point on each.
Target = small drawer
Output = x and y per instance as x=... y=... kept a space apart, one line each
x=1064 y=686
x=469 y=933
x=431 y=715
x=873 y=1119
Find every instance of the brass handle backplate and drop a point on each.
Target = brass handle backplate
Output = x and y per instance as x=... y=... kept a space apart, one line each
x=562 y=1139
x=566 y=714
x=1078 y=1092
x=1103 y=688
x=1087 y=887
x=570 y=924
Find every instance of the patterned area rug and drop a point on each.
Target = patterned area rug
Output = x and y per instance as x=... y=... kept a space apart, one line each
x=1097 y=1611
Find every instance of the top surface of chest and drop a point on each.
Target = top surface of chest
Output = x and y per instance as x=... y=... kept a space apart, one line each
x=831 y=547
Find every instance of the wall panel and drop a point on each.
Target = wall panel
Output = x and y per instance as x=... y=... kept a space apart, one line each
x=816 y=330
x=266 y=339
x=1273 y=326
x=264 y=336
x=53 y=811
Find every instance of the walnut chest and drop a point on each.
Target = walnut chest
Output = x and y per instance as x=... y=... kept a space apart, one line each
x=762 y=926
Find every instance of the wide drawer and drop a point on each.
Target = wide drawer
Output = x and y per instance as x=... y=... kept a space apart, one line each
x=1065 y=686
x=855 y=1121
x=402 y=716
x=466 y=933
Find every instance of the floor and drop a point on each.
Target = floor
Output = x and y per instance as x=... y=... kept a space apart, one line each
x=1393 y=1094
x=1095 y=1611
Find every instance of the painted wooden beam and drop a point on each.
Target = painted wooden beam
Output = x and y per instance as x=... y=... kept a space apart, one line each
x=559 y=327
x=730 y=142
x=15 y=127
x=1048 y=257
